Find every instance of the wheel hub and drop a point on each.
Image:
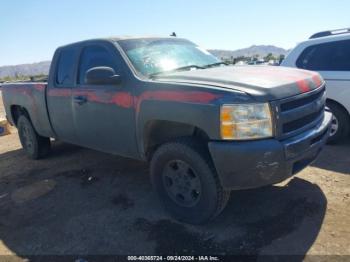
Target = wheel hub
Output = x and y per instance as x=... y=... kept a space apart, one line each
x=181 y=183
x=334 y=126
x=28 y=140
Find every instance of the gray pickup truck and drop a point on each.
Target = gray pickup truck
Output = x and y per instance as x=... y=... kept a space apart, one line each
x=205 y=127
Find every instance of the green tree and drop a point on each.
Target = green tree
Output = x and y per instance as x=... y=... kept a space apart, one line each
x=281 y=58
x=269 y=57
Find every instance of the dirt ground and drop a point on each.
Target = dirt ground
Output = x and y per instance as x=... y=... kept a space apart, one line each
x=79 y=201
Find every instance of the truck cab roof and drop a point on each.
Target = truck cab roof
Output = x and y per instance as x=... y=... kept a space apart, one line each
x=114 y=39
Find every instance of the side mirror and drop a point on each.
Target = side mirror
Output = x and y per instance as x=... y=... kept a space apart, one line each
x=101 y=75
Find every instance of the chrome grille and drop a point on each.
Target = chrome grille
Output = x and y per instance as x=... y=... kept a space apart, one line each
x=298 y=113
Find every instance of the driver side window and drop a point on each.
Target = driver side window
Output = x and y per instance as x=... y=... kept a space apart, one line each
x=93 y=56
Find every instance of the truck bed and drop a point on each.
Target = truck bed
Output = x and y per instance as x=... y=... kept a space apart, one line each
x=2 y=109
x=32 y=97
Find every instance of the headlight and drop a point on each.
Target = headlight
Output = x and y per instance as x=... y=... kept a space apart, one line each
x=245 y=121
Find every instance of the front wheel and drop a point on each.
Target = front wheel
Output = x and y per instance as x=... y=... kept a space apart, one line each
x=34 y=145
x=340 y=124
x=187 y=183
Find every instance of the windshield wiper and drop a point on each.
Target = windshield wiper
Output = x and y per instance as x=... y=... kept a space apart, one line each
x=215 y=64
x=182 y=68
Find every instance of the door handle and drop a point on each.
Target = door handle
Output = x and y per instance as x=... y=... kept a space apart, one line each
x=80 y=100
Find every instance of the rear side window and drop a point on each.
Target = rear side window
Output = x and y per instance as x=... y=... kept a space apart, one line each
x=65 y=67
x=334 y=56
x=93 y=56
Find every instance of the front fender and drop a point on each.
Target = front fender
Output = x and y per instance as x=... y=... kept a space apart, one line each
x=202 y=116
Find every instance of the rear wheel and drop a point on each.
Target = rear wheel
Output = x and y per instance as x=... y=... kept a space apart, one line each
x=187 y=183
x=34 y=145
x=340 y=124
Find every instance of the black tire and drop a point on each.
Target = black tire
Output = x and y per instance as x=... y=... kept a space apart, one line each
x=340 y=123
x=208 y=198
x=35 y=146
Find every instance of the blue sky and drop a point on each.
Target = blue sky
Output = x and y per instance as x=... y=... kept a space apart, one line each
x=30 y=30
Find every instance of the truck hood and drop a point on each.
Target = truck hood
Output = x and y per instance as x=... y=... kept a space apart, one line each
x=264 y=83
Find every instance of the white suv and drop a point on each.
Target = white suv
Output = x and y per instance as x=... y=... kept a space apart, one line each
x=328 y=53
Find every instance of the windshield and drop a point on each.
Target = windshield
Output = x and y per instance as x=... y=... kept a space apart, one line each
x=152 y=56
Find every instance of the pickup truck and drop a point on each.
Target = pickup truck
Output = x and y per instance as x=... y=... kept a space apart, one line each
x=205 y=127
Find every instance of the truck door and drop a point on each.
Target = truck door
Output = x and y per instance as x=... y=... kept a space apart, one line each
x=104 y=114
x=59 y=92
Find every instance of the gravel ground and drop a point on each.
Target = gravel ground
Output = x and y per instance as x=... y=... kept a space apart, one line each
x=79 y=201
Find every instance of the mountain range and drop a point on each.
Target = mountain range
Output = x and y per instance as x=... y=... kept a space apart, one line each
x=25 y=69
x=261 y=50
x=43 y=67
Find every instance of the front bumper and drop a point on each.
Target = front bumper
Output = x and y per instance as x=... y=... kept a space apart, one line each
x=252 y=164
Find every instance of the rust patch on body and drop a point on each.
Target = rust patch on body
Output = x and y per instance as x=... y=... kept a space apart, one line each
x=40 y=87
x=176 y=96
x=60 y=92
x=126 y=100
x=303 y=85
x=317 y=80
